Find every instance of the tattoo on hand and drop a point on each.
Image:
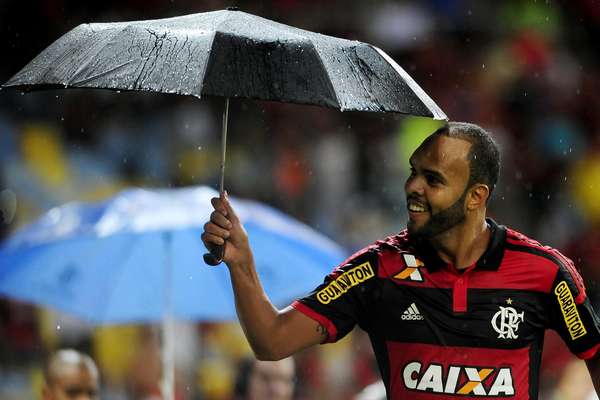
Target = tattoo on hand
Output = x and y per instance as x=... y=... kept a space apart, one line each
x=322 y=330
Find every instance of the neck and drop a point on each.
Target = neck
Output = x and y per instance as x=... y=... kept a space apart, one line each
x=463 y=244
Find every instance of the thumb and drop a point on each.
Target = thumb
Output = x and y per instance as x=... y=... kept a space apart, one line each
x=229 y=208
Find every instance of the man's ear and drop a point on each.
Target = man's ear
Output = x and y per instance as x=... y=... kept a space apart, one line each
x=478 y=196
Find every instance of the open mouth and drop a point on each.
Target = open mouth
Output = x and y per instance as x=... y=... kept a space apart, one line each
x=416 y=207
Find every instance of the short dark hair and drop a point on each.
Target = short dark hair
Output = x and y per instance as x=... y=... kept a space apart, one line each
x=484 y=155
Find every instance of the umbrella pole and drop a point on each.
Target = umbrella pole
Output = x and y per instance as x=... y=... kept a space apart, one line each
x=215 y=257
x=168 y=326
x=224 y=145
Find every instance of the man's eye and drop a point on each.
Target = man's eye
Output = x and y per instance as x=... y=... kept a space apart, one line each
x=432 y=180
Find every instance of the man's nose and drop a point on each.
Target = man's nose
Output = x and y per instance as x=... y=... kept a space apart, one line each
x=413 y=185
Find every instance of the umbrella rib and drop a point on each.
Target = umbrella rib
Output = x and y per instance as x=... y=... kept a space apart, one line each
x=324 y=67
x=437 y=112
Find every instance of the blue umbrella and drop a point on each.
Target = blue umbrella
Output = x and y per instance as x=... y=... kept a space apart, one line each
x=138 y=257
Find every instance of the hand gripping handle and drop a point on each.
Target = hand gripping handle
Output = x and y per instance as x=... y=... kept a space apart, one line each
x=215 y=257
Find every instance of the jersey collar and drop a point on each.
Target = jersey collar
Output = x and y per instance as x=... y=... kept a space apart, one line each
x=489 y=261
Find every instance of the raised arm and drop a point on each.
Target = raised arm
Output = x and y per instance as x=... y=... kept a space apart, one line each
x=272 y=334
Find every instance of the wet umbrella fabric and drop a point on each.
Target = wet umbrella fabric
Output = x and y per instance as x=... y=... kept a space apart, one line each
x=138 y=257
x=229 y=54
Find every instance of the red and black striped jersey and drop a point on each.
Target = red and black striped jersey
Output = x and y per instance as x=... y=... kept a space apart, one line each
x=438 y=332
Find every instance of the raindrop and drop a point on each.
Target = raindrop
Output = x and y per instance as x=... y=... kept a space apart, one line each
x=548 y=197
x=482 y=66
x=118 y=91
x=179 y=165
x=565 y=179
x=82 y=130
x=530 y=195
x=58 y=327
x=62 y=119
x=22 y=93
x=56 y=97
x=199 y=148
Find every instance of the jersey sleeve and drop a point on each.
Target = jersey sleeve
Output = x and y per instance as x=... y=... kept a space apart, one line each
x=572 y=314
x=340 y=302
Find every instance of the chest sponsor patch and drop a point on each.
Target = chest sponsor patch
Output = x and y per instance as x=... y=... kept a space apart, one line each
x=569 y=310
x=344 y=282
x=458 y=380
x=412 y=271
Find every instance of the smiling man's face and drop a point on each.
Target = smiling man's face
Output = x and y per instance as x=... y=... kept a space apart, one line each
x=437 y=187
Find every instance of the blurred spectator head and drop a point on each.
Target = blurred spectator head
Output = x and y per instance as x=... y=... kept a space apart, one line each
x=375 y=391
x=258 y=380
x=70 y=375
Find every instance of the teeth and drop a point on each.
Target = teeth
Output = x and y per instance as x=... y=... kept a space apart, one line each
x=416 y=207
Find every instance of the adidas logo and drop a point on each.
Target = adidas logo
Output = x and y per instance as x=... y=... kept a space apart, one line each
x=412 y=314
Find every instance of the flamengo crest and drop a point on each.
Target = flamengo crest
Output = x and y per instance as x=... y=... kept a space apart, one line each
x=506 y=322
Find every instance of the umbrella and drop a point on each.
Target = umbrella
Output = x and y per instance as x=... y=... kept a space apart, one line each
x=136 y=256
x=109 y=262
x=228 y=53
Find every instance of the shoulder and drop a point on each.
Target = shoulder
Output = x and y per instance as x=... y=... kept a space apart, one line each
x=372 y=254
x=546 y=258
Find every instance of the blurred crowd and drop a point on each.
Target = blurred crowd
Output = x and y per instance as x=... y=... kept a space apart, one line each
x=526 y=70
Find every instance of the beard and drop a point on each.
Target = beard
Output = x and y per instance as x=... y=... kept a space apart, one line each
x=441 y=221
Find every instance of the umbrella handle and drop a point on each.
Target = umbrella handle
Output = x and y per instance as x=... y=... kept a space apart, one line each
x=215 y=257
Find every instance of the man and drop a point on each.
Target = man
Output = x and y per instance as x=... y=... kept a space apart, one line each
x=70 y=375
x=273 y=380
x=455 y=305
